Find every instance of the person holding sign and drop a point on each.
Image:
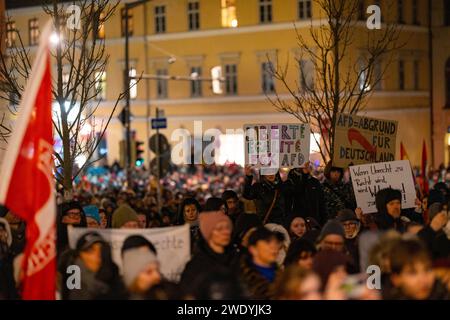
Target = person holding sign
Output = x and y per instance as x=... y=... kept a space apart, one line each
x=338 y=195
x=270 y=194
x=308 y=198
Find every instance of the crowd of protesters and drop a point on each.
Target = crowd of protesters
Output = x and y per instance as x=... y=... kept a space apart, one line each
x=272 y=235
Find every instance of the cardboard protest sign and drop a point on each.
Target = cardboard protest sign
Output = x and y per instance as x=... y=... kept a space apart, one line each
x=360 y=140
x=275 y=145
x=368 y=179
x=171 y=243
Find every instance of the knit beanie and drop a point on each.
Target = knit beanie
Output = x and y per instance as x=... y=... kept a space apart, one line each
x=209 y=220
x=92 y=212
x=122 y=215
x=331 y=227
x=135 y=261
x=434 y=209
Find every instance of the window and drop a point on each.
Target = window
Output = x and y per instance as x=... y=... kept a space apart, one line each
x=364 y=82
x=361 y=10
x=400 y=11
x=10 y=33
x=265 y=11
x=231 y=79
x=100 y=85
x=160 y=19
x=304 y=9
x=65 y=77
x=99 y=26
x=196 y=85
x=447 y=83
x=161 y=84
x=446 y=12
x=130 y=22
x=33 y=31
x=133 y=83
x=377 y=75
x=267 y=82
x=306 y=68
x=194 y=15
x=401 y=75
x=229 y=18
x=416 y=75
x=414 y=12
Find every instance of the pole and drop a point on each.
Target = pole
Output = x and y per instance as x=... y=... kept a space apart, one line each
x=158 y=167
x=430 y=59
x=127 y=101
x=147 y=87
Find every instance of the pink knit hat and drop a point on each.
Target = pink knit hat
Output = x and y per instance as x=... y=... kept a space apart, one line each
x=209 y=220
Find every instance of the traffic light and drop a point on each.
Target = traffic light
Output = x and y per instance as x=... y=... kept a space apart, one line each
x=139 y=150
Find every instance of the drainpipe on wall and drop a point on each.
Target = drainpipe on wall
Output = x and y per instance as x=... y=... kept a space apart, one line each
x=430 y=60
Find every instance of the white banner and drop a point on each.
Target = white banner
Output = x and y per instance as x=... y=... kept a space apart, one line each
x=368 y=179
x=171 y=243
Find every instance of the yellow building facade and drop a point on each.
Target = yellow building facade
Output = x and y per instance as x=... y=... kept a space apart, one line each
x=182 y=37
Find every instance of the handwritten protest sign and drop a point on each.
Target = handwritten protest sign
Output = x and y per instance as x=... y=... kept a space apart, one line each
x=276 y=145
x=360 y=140
x=368 y=179
x=172 y=245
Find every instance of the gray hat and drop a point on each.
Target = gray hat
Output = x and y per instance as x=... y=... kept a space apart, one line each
x=331 y=227
x=346 y=215
x=135 y=261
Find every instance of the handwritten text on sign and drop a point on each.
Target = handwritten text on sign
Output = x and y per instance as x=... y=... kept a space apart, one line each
x=277 y=145
x=172 y=245
x=368 y=179
x=360 y=140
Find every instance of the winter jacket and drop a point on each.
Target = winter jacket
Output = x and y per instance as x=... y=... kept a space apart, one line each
x=308 y=198
x=439 y=292
x=256 y=285
x=7 y=284
x=264 y=192
x=337 y=197
x=204 y=260
x=437 y=242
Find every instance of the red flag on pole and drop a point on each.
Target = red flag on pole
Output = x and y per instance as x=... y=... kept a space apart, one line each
x=424 y=168
x=27 y=185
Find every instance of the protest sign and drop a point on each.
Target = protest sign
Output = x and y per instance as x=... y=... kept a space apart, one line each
x=360 y=140
x=368 y=179
x=275 y=145
x=171 y=243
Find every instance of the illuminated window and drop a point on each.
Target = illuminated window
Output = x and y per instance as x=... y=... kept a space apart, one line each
x=133 y=83
x=99 y=26
x=33 y=31
x=10 y=33
x=100 y=85
x=229 y=18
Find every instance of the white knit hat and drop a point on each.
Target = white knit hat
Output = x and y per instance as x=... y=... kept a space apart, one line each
x=135 y=261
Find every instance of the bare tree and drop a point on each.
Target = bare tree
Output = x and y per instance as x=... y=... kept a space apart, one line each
x=335 y=83
x=80 y=59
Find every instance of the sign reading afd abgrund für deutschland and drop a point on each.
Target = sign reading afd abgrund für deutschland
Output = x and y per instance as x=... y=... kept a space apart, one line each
x=360 y=140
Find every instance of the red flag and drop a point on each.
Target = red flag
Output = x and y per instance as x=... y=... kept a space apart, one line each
x=27 y=185
x=424 y=168
x=403 y=153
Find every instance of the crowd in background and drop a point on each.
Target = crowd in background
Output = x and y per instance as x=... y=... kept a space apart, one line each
x=294 y=234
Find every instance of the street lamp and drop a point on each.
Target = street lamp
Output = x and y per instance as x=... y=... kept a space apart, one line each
x=126 y=77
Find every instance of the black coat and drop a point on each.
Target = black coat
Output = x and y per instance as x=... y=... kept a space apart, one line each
x=384 y=221
x=206 y=260
x=7 y=284
x=264 y=192
x=307 y=197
